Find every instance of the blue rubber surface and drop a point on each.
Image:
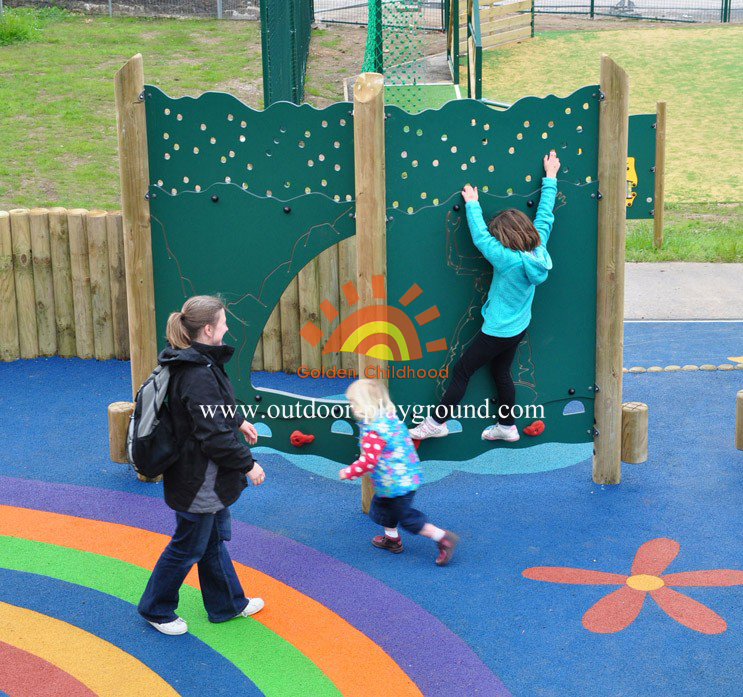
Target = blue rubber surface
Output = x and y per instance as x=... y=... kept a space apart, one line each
x=528 y=632
x=681 y=343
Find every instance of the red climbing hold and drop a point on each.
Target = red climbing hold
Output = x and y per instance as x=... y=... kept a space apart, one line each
x=416 y=442
x=535 y=429
x=298 y=439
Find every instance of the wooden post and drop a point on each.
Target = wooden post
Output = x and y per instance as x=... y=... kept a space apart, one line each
x=739 y=421
x=100 y=285
x=272 y=341
x=80 y=268
x=309 y=311
x=371 y=212
x=634 y=432
x=135 y=177
x=64 y=309
x=43 y=281
x=257 y=363
x=20 y=232
x=612 y=172
x=118 y=423
x=290 y=327
x=328 y=271
x=115 y=238
x=346 y=274
x=660 y=174
x=10 y=349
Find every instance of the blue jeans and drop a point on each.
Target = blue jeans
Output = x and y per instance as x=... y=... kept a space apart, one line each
x=198 y=539
x=397 y=510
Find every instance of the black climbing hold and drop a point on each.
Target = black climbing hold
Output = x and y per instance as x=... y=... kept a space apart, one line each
x=215 y=198
x=530 y=204
x=258 y=397
x=287 y=209
x=571 y=390
x=493 y=400
x=456 y=206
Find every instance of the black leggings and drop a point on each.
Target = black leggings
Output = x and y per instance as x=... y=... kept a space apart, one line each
x=499 y=352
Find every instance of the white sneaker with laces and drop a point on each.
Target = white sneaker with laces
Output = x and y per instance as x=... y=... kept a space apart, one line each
x=429 y=428
x=254 y=605
x=498 y=432
x=174 y=628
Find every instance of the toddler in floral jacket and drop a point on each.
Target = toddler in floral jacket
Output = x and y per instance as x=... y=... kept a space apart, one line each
x=390 y=459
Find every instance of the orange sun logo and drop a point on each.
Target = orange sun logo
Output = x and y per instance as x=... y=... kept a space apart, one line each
x=379 y=331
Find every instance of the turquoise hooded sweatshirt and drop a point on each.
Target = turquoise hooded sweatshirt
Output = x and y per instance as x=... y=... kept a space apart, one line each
x=507 y=311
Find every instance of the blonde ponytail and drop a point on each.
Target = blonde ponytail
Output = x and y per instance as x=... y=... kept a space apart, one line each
x=184 y=326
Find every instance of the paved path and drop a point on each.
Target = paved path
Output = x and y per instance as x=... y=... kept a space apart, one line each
x=678 y=290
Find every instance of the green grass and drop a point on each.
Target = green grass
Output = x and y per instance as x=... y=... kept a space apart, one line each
x=24 y=24
x=58 y=124
x=57 y=115
x=691 y=232
x=695 y=69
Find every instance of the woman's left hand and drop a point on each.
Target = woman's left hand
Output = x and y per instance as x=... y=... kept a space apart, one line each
x=248 y=430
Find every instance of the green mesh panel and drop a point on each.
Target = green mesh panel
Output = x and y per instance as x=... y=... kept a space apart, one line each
x=394 y=46
x=248 y=244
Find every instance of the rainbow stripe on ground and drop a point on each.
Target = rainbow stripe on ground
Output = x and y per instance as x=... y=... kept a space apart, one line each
x=68 y=623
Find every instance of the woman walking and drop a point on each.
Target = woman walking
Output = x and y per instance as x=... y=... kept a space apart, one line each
x=209 y=475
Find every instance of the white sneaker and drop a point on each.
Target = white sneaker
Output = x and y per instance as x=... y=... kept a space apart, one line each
x=429 y=428
x=498 y=432
x=174 y=628
x=254 y=605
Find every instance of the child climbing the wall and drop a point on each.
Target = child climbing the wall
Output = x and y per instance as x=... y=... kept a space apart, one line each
x=517 y=249
x=389 y=457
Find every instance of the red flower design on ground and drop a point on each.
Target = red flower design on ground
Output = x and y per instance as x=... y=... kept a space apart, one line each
x=619 y=609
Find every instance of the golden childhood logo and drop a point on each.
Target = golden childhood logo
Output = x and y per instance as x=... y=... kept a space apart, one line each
x=380 y=331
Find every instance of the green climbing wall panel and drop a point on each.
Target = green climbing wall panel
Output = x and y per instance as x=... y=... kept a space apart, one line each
x=430 y=157
x=242 y=199
x=641 y=166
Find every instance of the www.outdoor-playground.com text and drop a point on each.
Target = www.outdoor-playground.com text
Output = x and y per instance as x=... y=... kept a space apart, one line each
x=324 y=410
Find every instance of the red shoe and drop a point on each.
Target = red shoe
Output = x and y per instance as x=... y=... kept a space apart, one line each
x=446 y=548
x=384 y=542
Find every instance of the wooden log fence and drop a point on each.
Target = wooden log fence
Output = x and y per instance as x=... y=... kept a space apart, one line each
x=58 y=281
x=63 y=292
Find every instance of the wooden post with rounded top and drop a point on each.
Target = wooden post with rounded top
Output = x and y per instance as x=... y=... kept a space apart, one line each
x=118 y=424
x=64 y=307
x=660 y=174
x=371 y=231
x=20 y=234
x=9 y=344
x=739 y=420
x=43 y=281
x=612 y=172
x=634 y=432
x=134 y=172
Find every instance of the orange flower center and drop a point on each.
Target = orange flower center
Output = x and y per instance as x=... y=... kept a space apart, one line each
x=645 y=582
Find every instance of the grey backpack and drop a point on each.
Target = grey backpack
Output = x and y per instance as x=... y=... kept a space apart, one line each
x=150 y=440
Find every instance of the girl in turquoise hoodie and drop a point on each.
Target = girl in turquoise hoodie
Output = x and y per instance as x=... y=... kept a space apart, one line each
x=517 y=249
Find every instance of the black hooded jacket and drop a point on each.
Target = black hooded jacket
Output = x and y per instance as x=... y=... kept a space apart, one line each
x=209 y=474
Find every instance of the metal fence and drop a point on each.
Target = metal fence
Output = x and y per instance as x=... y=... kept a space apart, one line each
x=286 y=26
x=357 y=12
x=666 y=10
x=215 y=9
